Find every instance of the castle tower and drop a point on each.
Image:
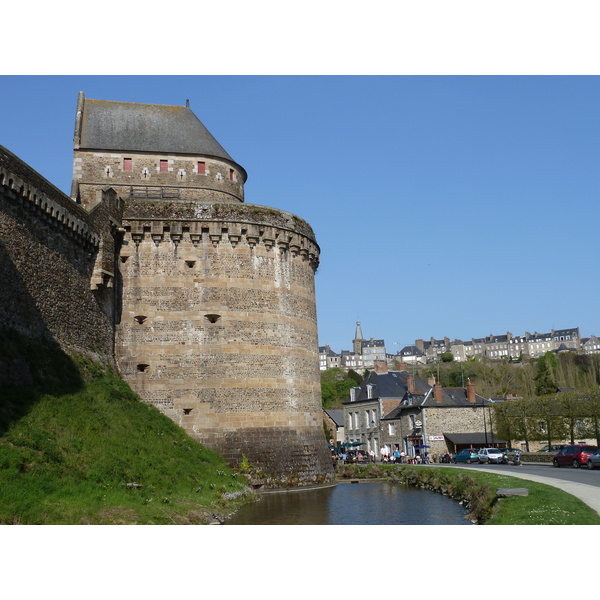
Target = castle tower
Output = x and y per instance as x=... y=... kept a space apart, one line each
x=217 y=323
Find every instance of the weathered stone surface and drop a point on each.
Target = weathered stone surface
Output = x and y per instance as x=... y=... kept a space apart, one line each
x=505 y=492
x=207 y=304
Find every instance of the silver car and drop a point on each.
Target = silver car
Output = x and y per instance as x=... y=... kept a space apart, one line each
x=593 y=460
x=490 y=455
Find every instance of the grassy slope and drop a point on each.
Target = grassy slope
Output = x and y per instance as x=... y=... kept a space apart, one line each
x=67 y=457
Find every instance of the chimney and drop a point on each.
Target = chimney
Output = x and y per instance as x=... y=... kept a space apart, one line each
x=431 y=381
x=380 y=366
x=410 y=382
x=437 y=392
x=471 y=392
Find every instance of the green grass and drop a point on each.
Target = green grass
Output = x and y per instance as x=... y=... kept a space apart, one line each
x=97 y=454
x=544 y=504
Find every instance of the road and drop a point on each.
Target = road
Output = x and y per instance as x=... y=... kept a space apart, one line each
x=581 y=482
x=582 y=475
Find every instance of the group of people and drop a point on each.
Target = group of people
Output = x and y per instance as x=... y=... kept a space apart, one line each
x=387 y=455
x=398 y=456
x=390 y=455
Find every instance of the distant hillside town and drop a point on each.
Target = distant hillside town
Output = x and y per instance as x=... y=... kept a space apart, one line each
x=495 y=347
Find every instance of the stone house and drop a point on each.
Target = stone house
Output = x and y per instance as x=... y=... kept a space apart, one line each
x=328 y=359
x=440 y=420
x=378 y=394
x=334 y=421
x=590 y=345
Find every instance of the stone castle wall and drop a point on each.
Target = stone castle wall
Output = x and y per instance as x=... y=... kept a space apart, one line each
x=186 y=177
x=206 y=303
x=219 y=330
x=50 y=252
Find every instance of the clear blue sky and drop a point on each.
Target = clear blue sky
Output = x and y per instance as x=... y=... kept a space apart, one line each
x=443 y=206
x=457 y=206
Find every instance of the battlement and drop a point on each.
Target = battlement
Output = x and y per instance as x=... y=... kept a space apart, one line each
x=231 y=233
x=22 y=184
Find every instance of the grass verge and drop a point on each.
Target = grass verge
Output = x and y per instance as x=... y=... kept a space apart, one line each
x=476 y=490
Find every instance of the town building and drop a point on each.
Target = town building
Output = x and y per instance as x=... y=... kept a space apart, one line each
x=441 y=421
x=590 y=345
x=363 y=355
x=334 y=421
x=494 y=347
x=378 y=394
x=328 y=359
x=395 y=409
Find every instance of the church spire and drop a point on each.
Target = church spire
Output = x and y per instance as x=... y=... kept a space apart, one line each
x=358 y=335
x=358 y=339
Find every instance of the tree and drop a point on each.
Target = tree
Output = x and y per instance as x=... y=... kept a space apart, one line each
x=355 y=377
x=335 y=387
x=546 y=374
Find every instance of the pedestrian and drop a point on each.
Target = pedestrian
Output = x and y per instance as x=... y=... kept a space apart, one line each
x=372 y=455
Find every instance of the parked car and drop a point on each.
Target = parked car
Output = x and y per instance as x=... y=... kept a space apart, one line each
x=467 y=455
x=490 y=455
x=593 y=460
x=574 y=456
x=553 y=448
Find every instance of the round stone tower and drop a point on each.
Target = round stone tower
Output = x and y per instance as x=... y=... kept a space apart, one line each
x=215 y=298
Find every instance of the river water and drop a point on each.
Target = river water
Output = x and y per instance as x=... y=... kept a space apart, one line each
x=377 y=503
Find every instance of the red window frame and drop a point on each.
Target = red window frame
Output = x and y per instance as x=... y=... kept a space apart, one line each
x=127 y=164
x=201 y=167
x=164 y=166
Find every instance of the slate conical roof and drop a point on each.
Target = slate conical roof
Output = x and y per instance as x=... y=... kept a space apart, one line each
x=358 y=334
x=158 y=128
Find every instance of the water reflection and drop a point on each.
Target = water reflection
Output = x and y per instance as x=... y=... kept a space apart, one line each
x=379 y=503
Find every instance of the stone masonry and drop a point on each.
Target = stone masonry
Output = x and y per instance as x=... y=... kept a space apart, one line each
x=206 y=304
x=217 y=323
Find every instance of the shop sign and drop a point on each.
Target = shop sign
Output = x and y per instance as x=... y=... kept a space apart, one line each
x=436 y=438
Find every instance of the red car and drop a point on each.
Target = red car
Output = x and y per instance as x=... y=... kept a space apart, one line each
x=575 y=456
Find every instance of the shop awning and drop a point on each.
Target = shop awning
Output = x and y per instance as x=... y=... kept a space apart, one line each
x=479 y=438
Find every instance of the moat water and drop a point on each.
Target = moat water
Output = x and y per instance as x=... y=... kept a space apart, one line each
x=377 y=503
